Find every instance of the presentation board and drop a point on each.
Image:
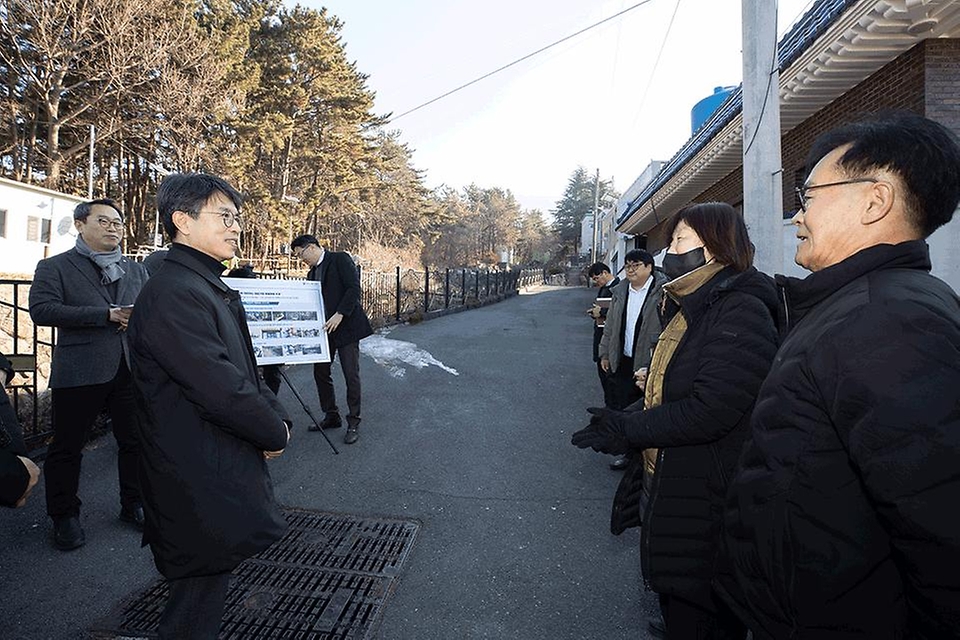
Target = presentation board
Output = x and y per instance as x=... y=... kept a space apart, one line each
x=285 y=319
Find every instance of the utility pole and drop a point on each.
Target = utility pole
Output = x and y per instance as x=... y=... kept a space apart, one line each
x=762 y=163
x=596 y=215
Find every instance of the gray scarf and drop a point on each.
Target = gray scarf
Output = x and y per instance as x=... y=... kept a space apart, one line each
x=107 y=261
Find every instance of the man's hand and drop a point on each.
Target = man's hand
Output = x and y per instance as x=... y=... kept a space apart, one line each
x=594 y=312
x=331 y=325
x=640 y=378
x=34 y=472
x=270 y=455
x=605 y=364
x=121 y=315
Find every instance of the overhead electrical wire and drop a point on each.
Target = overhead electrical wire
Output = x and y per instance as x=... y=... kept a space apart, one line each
x=518 y=60
x=656 y=63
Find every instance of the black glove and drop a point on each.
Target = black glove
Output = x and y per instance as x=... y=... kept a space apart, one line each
x=604 y=434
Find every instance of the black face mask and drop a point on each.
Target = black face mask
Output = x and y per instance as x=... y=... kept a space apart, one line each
x=678 y=264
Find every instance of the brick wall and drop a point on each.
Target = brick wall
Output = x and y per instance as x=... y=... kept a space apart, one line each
x=942 y=82
x=904 y=83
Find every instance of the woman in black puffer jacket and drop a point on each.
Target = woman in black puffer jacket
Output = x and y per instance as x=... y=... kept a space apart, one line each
x=685 y=436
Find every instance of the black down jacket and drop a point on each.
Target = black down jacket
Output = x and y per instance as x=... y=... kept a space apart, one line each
x=708 y=392
x=205 y=421
x=842 y=522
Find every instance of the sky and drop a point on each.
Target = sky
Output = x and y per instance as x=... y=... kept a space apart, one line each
x=600 y=100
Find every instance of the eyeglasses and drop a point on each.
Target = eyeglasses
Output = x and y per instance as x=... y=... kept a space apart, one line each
x=632 y=266
x=106 y=223
x=227 y=217
x=297 y=253
x=802 y=191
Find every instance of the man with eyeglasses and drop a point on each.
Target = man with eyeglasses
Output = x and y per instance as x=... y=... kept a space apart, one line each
x=208 y=423
x=838 y=523
x=599 y=274
x=346 y=325
x=87 y=293
x=631 y=331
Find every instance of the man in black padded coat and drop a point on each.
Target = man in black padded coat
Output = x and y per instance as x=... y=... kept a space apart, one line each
x=18 y=473
x=841 y=522
x=207 y=422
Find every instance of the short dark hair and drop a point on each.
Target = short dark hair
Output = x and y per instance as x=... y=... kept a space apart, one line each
x=638 y=255
x=924 y=154
x=82 y=211
x=188 y=192
x=304 y=240
x=722 y=230
x=597 y=268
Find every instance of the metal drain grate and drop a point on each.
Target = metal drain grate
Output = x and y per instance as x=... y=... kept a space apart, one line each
x=327 y=579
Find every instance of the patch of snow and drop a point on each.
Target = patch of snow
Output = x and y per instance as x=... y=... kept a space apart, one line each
x=392 y=355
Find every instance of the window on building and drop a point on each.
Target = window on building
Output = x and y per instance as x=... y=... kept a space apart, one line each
x=45 y=230
x=33 y=229
x=3 y=223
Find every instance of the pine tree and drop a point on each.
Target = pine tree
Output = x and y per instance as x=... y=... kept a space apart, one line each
x=578 y=201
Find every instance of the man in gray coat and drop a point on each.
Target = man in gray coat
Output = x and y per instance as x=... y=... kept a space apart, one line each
x=87 y=293
x=631 y=331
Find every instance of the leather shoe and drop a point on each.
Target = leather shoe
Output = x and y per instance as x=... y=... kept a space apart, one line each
x=133 y=516
x=351 y=436
x=619 y=464
x=331 y=421
x=67 y=533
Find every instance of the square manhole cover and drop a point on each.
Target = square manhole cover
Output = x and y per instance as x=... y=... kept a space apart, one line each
x=328 y=578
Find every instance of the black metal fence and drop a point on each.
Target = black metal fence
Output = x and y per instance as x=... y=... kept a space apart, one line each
x=28 y=347
x=400 y=296
x=406 y=295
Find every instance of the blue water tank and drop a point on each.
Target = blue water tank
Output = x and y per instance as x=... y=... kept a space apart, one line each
x=702 y=111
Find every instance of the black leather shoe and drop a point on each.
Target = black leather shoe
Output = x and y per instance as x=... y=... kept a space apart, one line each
x=67 y=533
x=332 y=421
x=133 y=516
x=351 y=436
x=619 y=464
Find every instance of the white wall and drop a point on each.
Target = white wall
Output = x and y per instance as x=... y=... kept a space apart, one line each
x=18 y=255
x=586 y=235
x=945 y=252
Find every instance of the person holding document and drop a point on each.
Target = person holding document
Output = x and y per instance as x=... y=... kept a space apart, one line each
x=87 y=293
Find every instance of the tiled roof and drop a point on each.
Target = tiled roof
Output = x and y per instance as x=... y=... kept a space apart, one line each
x=810 y=27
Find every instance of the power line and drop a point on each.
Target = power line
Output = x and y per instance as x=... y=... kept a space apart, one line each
x=518 y=61
x=656 y=63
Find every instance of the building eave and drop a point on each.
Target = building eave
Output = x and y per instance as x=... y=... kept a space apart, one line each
x=834 y=47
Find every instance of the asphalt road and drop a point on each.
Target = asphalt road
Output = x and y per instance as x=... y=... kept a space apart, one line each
x=513 y=540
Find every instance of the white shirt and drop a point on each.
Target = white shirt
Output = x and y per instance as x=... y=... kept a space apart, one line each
x=635 y=298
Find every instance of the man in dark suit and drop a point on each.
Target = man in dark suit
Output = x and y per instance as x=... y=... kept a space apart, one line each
x=630 y=332
x=207 y=424
x=600 y=275
x=346 y=325
x=87 y=293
